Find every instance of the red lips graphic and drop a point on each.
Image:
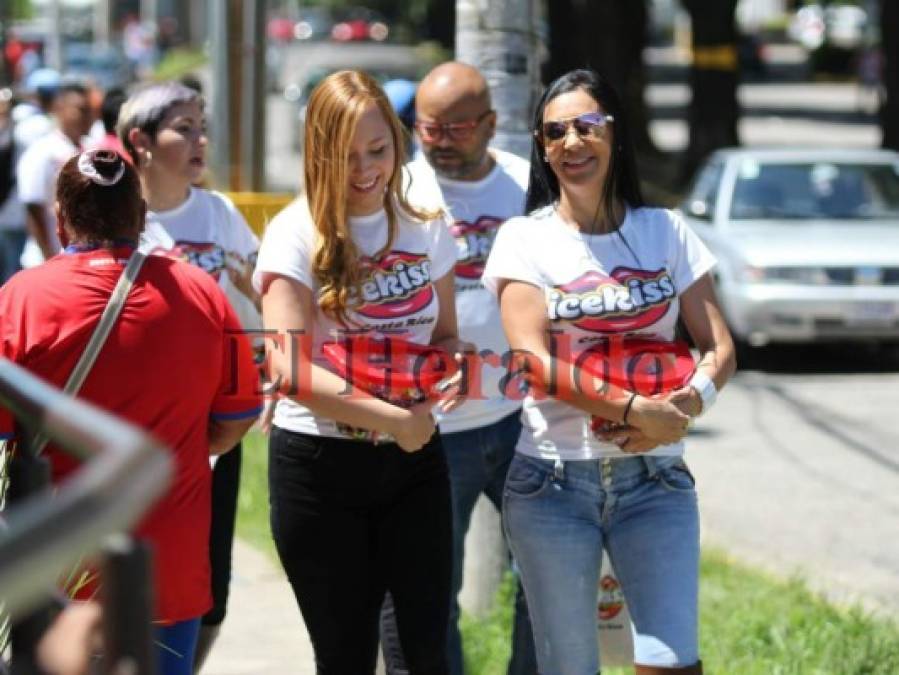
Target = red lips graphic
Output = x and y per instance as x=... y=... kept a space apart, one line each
x=625 y=301
x=611 y=602
x=205 y=255
x=398 y=285
x=475 y=239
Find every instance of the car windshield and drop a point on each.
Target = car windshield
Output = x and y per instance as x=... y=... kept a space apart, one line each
x=815 y=190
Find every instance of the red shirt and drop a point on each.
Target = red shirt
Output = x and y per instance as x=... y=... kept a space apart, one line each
x=169 y=366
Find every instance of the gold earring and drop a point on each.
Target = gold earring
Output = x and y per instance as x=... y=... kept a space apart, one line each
x=148 y=159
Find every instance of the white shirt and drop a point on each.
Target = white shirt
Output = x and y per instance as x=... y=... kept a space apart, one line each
x=32 y=123
x=36 y=176
x=208 y=231
x=596 y=286
x=477 y=210
x=399 y=298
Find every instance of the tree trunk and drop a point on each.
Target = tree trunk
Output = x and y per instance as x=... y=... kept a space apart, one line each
x=608 y=36
x=498 y=38
x=713 y=111
x=564 y=39
x=617 y=53
x=889 y=111
x=440 y=23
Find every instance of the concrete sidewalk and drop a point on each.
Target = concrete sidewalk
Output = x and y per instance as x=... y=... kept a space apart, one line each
x=263 y=633
x=796 y=474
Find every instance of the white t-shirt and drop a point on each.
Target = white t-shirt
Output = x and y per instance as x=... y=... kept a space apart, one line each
x=596 y=286
x=32 y=126
x=208 y=231
x=399 y=298
x=477 y=209
x=36 y=176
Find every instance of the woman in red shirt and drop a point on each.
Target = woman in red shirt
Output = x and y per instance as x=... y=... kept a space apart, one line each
x=175 y=364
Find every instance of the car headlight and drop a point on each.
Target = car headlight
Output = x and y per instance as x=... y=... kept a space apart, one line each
x=813 y=276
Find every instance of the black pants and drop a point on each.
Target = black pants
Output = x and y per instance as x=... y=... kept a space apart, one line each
x=352 y=520
x=225 y=486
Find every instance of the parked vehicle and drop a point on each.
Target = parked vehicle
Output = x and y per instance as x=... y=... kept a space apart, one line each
x=299 y=92
x=359 y=24
x=834 y=35
x=103 y=65
x=807 y=242
x=314 y=23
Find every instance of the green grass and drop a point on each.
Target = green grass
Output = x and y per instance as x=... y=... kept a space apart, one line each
x=751 y=623
x=252 y=504
x=179 y=62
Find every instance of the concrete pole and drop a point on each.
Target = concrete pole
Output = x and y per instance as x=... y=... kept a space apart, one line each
x=53 y=48
x=252 y=127
x=148 y=12
x=101 y=22
x=219 y=110
x=498 y=37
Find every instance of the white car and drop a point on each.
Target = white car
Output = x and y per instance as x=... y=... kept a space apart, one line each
x=807 y=242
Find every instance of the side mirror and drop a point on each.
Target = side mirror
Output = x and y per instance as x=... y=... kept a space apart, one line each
x=699 y=209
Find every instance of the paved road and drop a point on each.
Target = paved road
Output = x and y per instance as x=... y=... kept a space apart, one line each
x=799 y=472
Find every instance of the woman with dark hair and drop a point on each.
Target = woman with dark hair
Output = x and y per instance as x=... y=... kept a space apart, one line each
x=174 y=363
x=592 y=268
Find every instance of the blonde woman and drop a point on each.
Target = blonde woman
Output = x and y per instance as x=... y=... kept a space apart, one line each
x=353 y=518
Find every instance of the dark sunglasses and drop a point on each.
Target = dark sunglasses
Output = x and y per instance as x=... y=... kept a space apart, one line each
x=457 y=131
x=586 y=125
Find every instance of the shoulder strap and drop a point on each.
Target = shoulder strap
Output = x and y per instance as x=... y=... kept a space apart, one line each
x=101 y=333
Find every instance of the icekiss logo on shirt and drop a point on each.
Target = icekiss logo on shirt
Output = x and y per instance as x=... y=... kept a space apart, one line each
x=207 y=255
x=399 y=284
x=626 y=300
x=473 y=243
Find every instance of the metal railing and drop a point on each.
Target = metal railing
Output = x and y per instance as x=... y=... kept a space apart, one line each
x=46 y=531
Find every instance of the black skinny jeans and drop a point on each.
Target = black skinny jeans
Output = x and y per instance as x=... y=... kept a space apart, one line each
x=225 y=486
x=352 y=520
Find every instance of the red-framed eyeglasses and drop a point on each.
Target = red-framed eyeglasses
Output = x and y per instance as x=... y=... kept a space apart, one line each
x=457 y=131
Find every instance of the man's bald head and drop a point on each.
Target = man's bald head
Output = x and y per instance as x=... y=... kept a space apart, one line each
x=455 y=121
x=454 y=82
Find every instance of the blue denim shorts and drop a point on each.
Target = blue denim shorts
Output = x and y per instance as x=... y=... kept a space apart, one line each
x=559 y=516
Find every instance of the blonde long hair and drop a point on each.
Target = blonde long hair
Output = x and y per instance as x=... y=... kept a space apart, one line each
x=334 y=110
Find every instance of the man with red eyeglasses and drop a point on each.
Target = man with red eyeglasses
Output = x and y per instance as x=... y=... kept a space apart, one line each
x=480 y=187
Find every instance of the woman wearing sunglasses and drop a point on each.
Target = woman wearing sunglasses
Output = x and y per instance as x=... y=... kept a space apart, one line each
x=591 y=262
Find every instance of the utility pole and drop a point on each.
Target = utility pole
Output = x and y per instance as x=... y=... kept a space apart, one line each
x=149 y=12
x=53 y=48
x=237 y=130
x=5 y=18
x=252 y=116
x=498 y=37
x=222 y=123
x=101 y=22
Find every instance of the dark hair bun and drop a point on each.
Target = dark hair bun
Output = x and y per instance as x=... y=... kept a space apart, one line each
x=107 y=162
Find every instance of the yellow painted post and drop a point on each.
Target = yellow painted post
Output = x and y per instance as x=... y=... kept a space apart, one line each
x=260 y=207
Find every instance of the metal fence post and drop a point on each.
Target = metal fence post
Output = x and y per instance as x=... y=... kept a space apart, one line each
x=27 y=475
x=128 y=608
